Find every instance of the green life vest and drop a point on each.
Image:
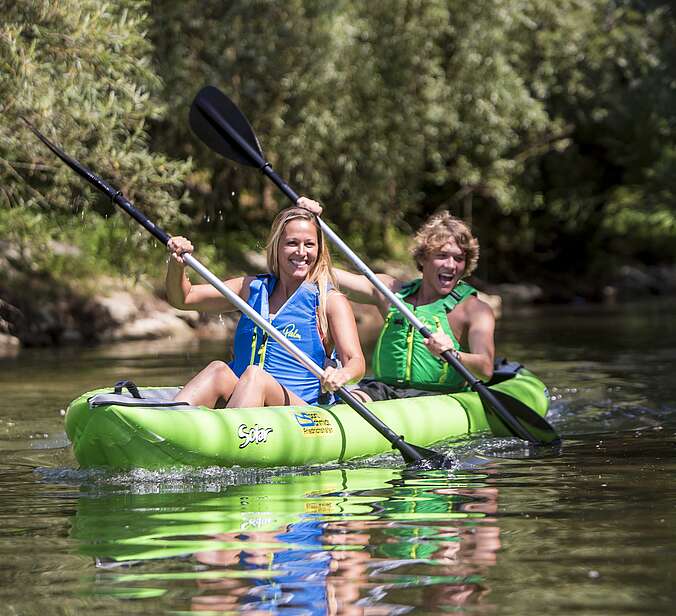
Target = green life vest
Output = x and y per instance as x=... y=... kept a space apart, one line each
x=401 y=358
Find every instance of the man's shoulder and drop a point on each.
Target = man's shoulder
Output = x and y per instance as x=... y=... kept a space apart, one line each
x=472 y=307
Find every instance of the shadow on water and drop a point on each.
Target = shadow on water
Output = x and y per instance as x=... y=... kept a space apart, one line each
x=589 y=529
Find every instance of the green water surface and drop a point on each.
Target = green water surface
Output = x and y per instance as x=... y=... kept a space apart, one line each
x=590 y=529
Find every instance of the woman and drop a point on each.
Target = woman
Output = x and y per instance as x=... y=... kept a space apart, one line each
x=298 y=298
x=406 y=364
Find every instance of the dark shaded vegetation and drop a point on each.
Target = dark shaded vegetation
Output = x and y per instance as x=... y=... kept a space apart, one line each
x=549 y=126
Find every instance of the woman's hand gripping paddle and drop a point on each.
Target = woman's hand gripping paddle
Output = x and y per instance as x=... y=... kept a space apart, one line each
x=217 y=121
x=412 y=454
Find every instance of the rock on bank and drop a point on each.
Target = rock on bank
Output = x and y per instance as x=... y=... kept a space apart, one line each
x=114 y=314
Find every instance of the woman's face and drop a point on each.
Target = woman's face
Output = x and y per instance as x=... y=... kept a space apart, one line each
x=298 y=249
x=443 y=267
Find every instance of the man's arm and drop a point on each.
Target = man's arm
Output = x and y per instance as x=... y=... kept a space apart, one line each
x=360 y=289
x=480 y=338
x=480 y=323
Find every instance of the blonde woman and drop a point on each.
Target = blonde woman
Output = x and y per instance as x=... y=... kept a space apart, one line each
x=405 y=364
x=298 y=297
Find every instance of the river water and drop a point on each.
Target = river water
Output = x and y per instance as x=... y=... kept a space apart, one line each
x=590 y=529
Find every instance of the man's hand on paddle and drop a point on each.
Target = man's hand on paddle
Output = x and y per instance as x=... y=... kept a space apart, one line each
x=310 y=205
x=178 y=246
x=439 y=342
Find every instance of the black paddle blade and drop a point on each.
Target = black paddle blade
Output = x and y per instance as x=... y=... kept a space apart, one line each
x=428 y=459
x=71 y=162
x=537 y=427
x=208 y=112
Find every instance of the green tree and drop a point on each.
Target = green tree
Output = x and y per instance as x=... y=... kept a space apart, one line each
x=604 y=70
x=81 y=71
x=549 y=125
x=269 y=57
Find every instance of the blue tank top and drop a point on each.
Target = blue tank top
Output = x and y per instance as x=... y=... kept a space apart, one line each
x=298 y=320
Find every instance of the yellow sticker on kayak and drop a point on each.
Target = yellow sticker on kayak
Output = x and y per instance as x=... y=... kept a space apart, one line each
x=319 y=507
x=313 y=424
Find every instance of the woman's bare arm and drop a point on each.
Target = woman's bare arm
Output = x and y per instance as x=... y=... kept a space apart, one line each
x=343 y=331
x=182 y=294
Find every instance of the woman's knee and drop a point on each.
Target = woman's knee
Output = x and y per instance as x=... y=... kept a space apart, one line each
x=219 y=369
x=253 y=373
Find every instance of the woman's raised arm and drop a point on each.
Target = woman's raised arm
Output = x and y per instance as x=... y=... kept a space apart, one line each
x=182 y=294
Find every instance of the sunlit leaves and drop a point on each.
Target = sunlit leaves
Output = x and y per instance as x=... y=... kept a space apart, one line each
x=82 y=73
x=549 y=124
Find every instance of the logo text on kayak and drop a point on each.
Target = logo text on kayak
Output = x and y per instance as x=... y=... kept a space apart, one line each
x=252 y=435
x=314 y=424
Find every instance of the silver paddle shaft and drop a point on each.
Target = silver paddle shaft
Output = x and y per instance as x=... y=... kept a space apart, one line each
x=377 y=283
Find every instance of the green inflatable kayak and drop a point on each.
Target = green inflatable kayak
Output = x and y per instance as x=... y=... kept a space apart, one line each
x=123 y=429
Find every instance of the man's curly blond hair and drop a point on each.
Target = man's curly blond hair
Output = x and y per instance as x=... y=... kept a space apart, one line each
x=438 y=230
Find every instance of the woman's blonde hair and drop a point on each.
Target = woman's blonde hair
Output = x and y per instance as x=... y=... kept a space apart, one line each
x=321 y=273
x=439 y=229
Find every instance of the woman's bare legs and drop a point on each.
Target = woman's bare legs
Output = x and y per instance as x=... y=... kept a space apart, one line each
x=257 y=388
x=253 y=389
x=216 y=381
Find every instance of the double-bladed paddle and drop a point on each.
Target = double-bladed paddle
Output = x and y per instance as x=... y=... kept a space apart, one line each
x=219 y=123
x=412 y=454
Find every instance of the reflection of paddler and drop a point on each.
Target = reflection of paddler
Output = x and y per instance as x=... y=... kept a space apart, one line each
x=304 y=567
x=466 y=510
x=312 y=542
x=296 y=573
x=123 y=527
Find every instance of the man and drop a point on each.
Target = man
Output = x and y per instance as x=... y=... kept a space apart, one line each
x=404 y=363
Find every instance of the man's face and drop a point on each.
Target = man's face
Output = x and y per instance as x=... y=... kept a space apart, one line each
x=443 y=267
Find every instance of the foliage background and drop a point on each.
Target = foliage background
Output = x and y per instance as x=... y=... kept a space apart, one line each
x=549 y=126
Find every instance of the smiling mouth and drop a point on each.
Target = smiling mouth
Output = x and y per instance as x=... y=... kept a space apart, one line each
x=446 y=278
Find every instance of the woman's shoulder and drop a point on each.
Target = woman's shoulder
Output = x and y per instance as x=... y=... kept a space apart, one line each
x=336 y=299
x=242 y=285
x=266 y=280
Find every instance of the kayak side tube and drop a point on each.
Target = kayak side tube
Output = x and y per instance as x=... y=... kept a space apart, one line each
x=125 y=437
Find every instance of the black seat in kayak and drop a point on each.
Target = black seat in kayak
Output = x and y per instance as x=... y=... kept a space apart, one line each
x=503 y=370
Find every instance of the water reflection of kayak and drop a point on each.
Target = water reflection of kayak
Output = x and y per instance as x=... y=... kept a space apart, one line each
x=315 y=542
x=122 y=432
x=122 y=527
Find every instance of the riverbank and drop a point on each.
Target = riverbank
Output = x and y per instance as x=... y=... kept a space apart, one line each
x=37 y=311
